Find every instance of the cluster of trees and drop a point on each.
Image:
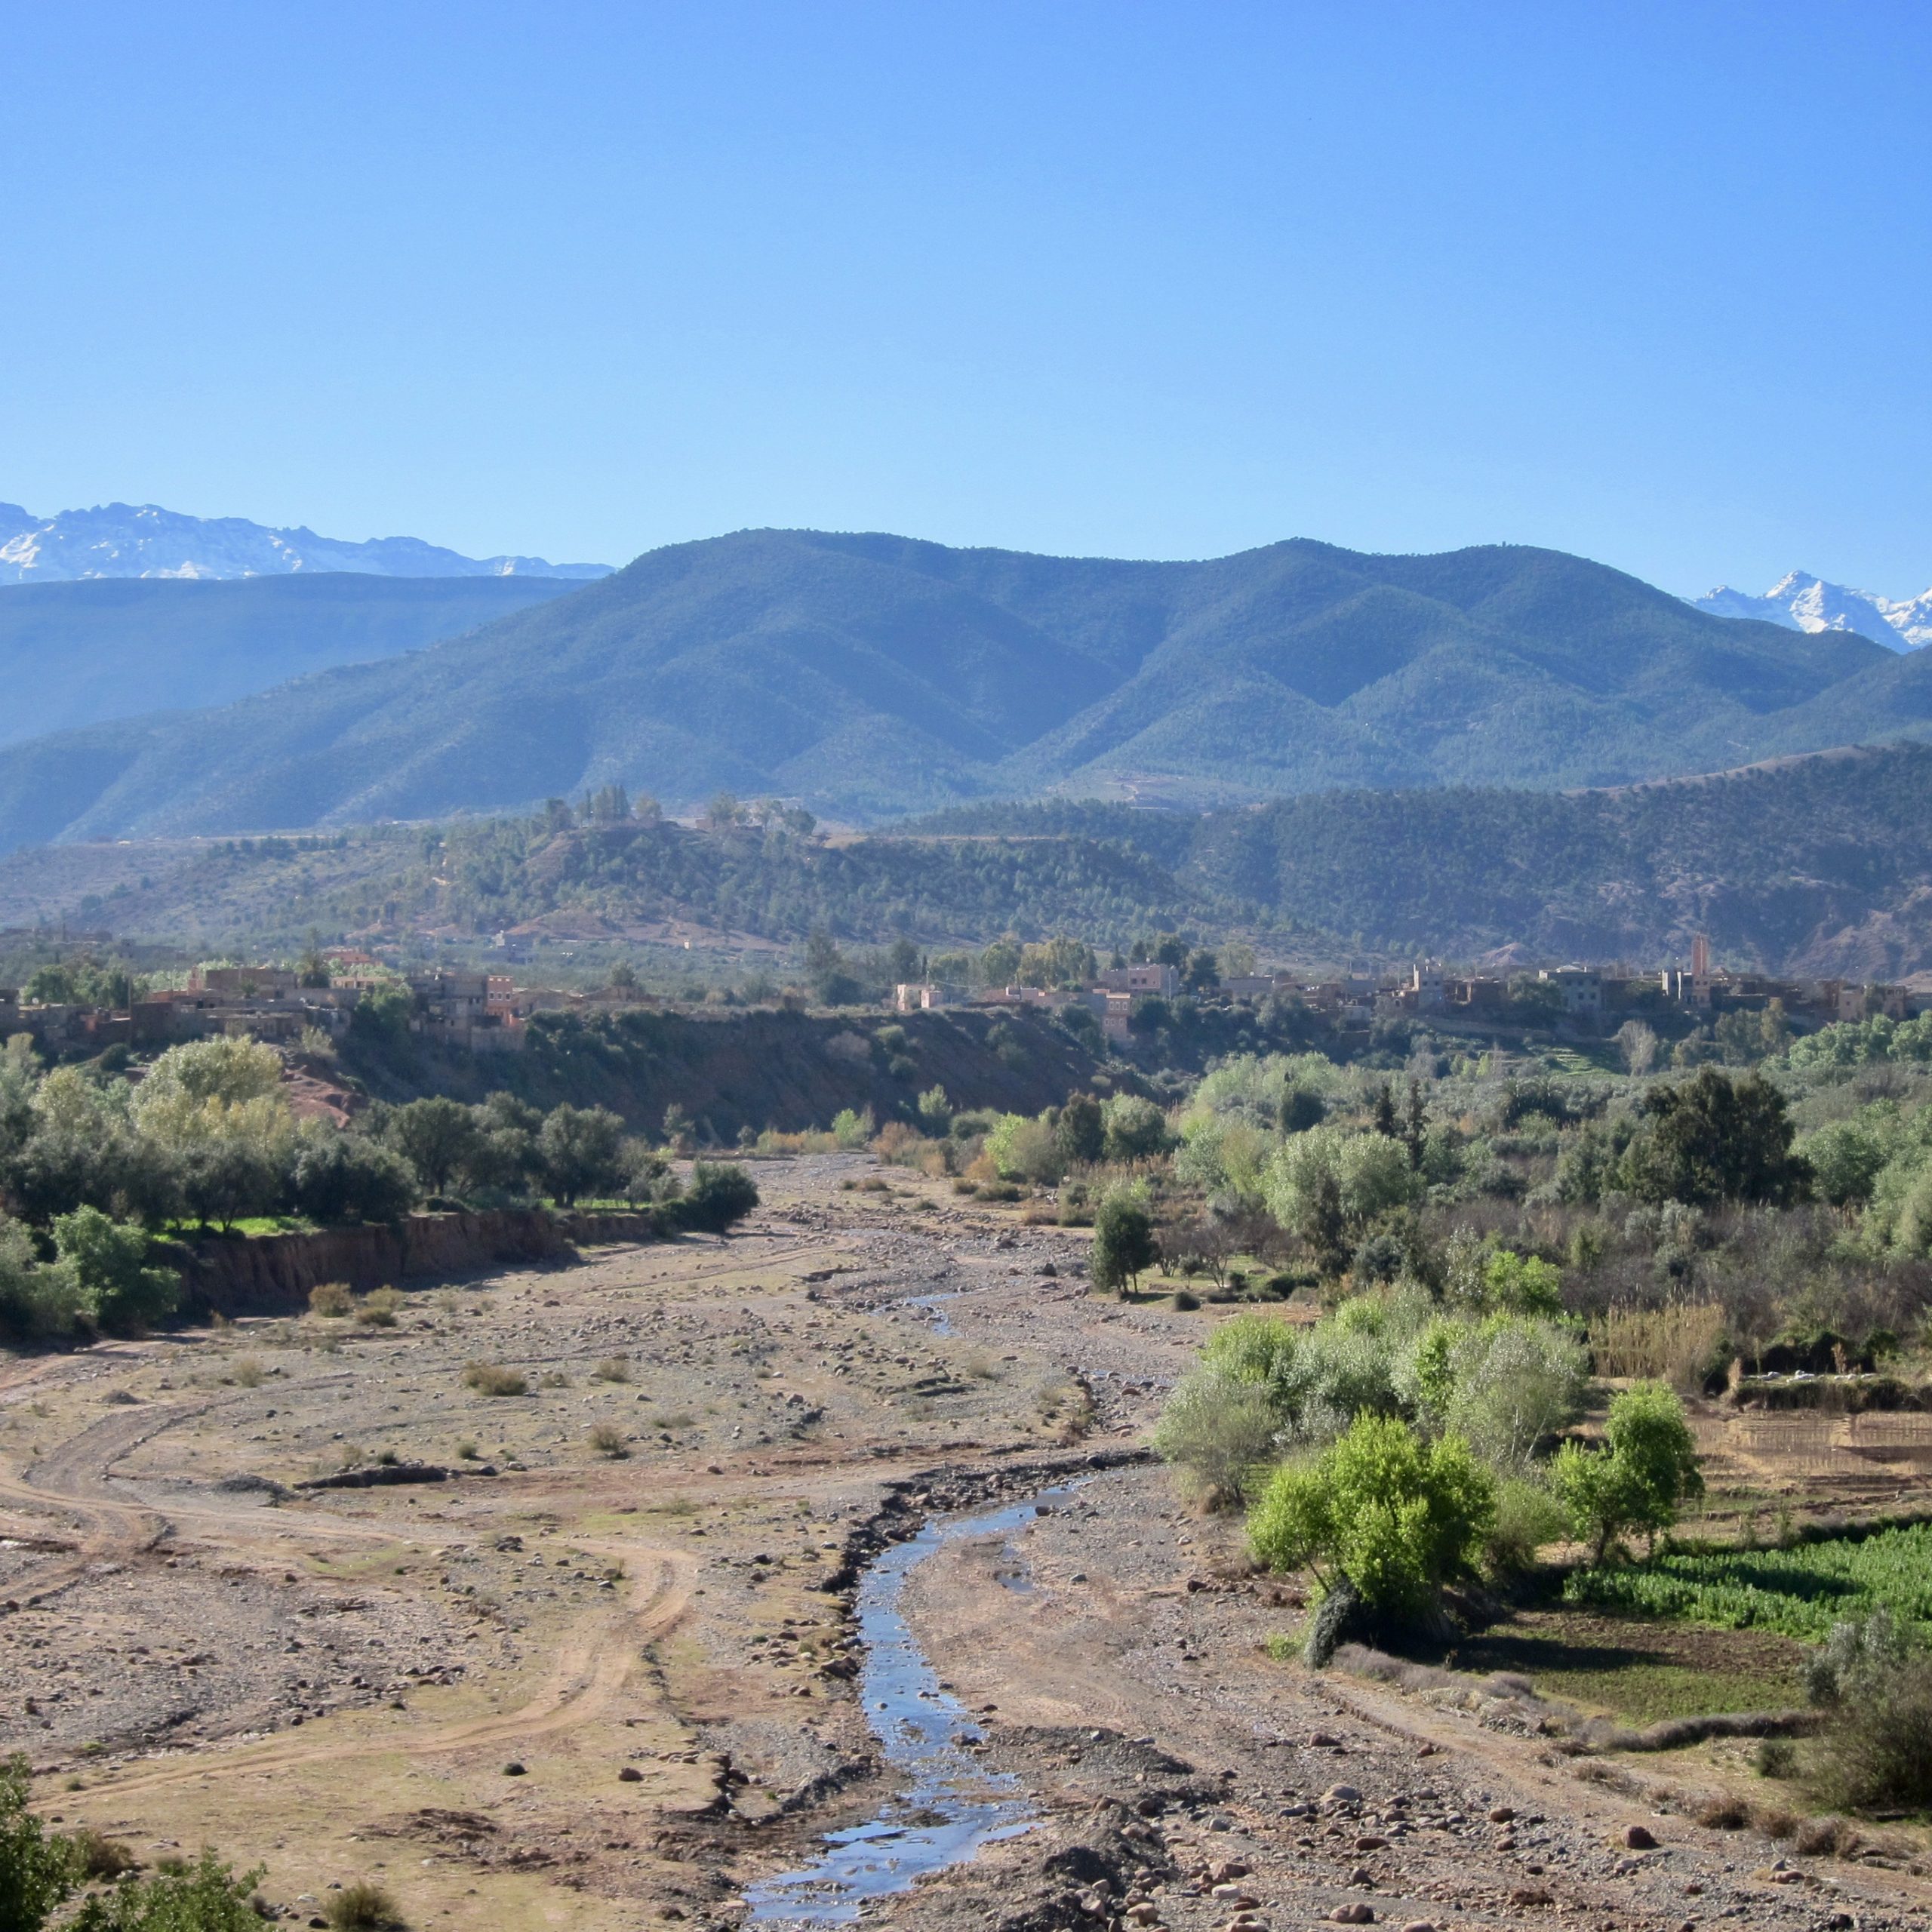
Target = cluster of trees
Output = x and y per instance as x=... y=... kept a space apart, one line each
x=90 y=1161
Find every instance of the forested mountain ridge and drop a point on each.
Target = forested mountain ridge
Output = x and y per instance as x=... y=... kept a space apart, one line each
x=1818 y=865
x=871 y=675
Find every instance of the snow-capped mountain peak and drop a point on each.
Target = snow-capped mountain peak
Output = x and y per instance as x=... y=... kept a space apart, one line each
x=124 y=539
x=1802 y=602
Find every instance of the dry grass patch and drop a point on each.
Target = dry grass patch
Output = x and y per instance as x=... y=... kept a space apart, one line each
x=489 y=1378
x=608 y=1439
x=1674 y=1344
x=331 y=1298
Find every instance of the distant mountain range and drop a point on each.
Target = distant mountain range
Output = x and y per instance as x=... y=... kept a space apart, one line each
x=872 y=675
x=1802 y=602
x=123 y=539
x=79 y=653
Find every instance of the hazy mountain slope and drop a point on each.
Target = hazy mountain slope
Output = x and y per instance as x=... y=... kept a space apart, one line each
x=130 y=540
x=79 y=653
x=870 y=675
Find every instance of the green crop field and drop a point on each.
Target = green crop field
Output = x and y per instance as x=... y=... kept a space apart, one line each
x=1802 y=1591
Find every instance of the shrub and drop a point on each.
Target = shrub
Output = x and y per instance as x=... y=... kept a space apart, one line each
x=248 y=1373
x=1877 y=1752
x=852 y=1128
x=37 y=1872
x=1220 y=1432
x=1640 y=1479
x=1395 y=1517
x=1527 y=1517
x=98 y=1857
x=379 y=1309
x=1024 y=1149
x=331 y=1298
x=608 y=1439
x=489 y=1378
x=718 y=1199
x=364 y=1907
x=612 y=1368
x=205 y=1896
x=107 y=1262
x=1134 y=1128
x=34 y=1300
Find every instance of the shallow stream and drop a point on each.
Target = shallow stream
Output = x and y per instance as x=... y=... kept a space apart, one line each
x=949 y=1805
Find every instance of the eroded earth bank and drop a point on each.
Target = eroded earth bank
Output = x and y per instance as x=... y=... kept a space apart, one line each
x=604 y=1670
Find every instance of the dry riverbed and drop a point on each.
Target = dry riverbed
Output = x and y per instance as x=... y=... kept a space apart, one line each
x=605 y=1673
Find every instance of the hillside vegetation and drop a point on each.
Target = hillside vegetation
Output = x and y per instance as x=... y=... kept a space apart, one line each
x=873 y=675
x=1819 y=865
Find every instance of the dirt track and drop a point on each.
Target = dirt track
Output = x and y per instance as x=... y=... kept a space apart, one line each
x=333 y=1682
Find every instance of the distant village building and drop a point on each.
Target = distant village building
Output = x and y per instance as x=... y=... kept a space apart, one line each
x=1581 y=988
x=1162 y=981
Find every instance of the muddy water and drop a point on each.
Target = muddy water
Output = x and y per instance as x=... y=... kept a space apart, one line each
x=949 y=1804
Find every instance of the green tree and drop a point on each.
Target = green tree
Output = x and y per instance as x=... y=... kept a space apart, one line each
x=107 y=1262
x=935 y=1111
x=1135 y=1129
x=580 y=1150
x=1123 y=1243
x=340 y=1177
x=1397 y=1516
x=1713 y=1138
x=1080 y=1130
x=1640 y=1479
x=436 y=1136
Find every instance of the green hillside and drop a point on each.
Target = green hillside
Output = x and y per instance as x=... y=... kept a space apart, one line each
x=870 y=676
x=1821 y=864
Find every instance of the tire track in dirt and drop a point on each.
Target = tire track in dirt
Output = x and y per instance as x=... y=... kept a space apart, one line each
x=591 y=1668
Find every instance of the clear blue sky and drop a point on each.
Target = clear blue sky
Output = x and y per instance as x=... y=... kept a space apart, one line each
x=1651 y=283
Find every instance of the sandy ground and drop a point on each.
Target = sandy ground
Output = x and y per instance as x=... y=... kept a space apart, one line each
x=564 y=1688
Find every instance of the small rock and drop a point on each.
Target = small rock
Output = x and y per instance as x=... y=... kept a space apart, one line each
x=630 y=1774
x=1506 y=1843
x=1368 y=1841
x=1078 y=1577
x=1239 y=1901
x=513 y=1769
x=1221 y=1821
x=1427 y=1751
x=1639 y=1837
x=1503 y=1814
x=1324 y=1740
x=1419 y=1925
x=1341 y=1794
x=1224 y=1870
x=1354 y=1913
x=1361 y=1875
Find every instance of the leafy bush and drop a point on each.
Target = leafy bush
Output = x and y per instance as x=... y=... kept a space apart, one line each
x=1876 y=1752
x=1527 y=1517
x=34 y=1300
x=38 y=1872
x=107 y=1262
x=851 y=1128
x=1135 y=1129
x=1220 y=1431
x=1024 y=1149
x=1640 y=1479
x=1396 y=1517
x=718 y=1199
